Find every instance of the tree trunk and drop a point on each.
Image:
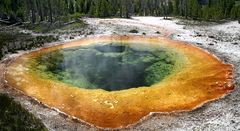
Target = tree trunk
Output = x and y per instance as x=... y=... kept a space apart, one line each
x=186 y=9
x=33 y=12
x=40 y=10
x=50 y=11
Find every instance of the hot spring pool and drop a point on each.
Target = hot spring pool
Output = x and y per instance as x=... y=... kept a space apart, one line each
x=114 y=81
x=108 y=66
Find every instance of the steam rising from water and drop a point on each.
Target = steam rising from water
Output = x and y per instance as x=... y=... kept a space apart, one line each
x=109 y=66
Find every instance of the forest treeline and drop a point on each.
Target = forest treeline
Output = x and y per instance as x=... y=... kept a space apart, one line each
x=52 y=10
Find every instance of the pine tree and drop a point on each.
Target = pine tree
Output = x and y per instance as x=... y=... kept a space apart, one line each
x=176 y=7
x=170 y=7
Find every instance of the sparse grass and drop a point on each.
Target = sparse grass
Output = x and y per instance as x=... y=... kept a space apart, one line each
x=71 y=17
x=15 y=118
x=75 y=25
x=10 y=42
x=49 y=27
x=200 y=22
x=43 y=27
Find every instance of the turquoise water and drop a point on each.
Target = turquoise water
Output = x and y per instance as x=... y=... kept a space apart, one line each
x=107 y=66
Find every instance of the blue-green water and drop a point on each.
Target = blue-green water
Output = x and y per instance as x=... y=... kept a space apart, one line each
x=109 y=66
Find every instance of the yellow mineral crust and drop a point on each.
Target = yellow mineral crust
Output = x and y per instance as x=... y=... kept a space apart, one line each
x=204 y=78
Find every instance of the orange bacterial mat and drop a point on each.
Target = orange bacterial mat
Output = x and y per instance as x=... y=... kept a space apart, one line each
x=201 y=78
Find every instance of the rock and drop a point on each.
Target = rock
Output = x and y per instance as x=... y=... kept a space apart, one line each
x=234 y=43
x=198 y=34
x=90 y=33
x=133 y=31
x=158 y=32
x=210 y=36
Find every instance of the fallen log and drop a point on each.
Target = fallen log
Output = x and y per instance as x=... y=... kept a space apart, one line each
x=5 y=21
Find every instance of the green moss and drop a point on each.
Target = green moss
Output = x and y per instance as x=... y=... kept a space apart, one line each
x=15 y=118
